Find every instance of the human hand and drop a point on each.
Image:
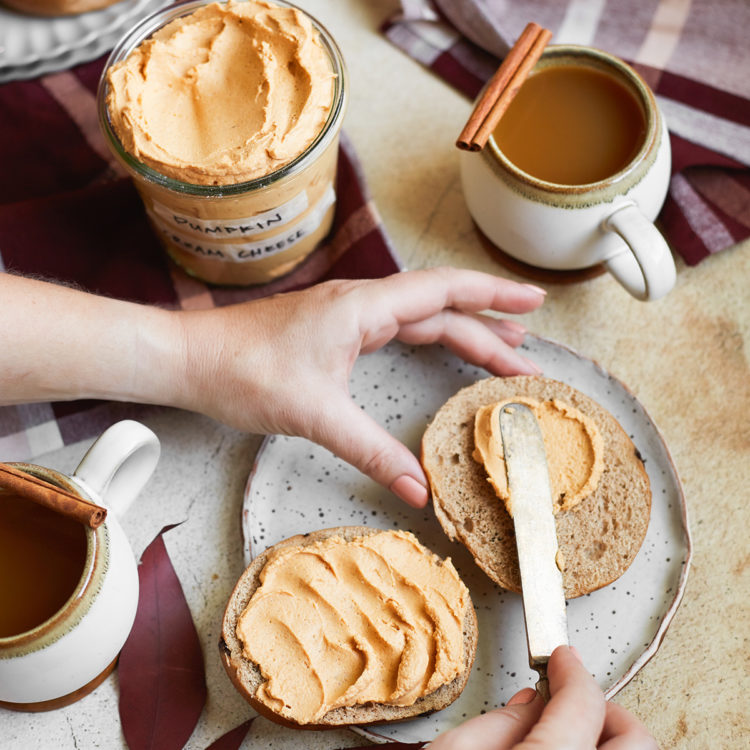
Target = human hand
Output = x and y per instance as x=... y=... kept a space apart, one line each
x=282 y=364
x=577 y=716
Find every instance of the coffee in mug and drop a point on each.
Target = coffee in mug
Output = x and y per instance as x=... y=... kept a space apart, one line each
x=572 y=125
x=42 y=559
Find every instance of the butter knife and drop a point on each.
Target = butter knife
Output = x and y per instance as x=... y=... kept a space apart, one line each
x=536 y=537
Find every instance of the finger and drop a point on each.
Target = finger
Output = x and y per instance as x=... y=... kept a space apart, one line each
x=523 y=696
x=472 y=340
x=500 y=729
x=473 y=291
x=574 y=716
x=427 y=330
x=510 y=331
x=412 y=296
x=356 y=438
x=622 y=731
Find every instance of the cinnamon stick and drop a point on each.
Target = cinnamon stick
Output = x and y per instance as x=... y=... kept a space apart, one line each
x=503 y=86
x=52 y=497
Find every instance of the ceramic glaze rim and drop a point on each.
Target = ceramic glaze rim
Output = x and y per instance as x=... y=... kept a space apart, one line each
x=606 y=189
x=76 y=606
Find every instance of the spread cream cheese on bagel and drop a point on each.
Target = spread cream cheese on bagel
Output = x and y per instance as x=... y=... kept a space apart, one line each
x=346 y=622
x=598 y=537
x=572 y=443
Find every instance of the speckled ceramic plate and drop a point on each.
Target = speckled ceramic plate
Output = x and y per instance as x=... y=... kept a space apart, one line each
x=38 y=43
x=296 y=486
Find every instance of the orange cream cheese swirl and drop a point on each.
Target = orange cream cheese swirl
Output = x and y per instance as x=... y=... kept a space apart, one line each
x=572 y=443
x=227 y=94
x=340 y=623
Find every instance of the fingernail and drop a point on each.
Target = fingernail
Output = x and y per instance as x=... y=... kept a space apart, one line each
x=523 y=697
x=410 y=491
x=527 y=367
x=514 y=326
x=536 y=289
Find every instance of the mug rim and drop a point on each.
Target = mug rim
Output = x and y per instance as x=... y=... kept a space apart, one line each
x=80 y=600
x=636 y=85
x=160 y=18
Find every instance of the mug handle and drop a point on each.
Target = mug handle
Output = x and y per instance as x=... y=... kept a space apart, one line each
x=646 y=268
x=118 y=465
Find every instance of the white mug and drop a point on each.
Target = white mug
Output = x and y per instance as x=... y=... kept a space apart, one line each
x=69 y=654
x=572 y=227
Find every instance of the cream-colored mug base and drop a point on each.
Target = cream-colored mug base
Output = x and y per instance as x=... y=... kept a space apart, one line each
x=536 y=273
x=63 y=700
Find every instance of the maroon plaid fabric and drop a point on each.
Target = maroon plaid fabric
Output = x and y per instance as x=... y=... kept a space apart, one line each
x=693 y=53
x=68 y=213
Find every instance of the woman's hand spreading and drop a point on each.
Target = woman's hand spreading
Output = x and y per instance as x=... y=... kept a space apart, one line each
x=577 y=717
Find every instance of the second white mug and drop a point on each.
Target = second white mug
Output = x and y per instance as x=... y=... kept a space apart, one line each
x=67 y=655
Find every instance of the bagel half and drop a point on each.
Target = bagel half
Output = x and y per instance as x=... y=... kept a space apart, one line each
x=247 y=677
x=599 y=538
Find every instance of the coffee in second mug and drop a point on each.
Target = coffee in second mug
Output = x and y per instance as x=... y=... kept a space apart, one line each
x=576 y=171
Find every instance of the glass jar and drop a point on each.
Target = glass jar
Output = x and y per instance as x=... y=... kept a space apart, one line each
x=248 y=232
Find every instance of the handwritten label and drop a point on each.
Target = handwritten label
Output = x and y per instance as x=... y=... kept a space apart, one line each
x=190 y=226
x=259 y=249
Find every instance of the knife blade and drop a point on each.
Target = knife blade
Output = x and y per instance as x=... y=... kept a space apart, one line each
x=536 y=537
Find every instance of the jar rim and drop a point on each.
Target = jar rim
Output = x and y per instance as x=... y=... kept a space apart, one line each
x=159 y=18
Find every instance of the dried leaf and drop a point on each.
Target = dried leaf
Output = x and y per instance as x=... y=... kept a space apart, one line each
x=233 y=738
x=162 y=678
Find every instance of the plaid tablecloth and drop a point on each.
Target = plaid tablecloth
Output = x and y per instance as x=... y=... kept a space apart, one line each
x=693 y=53
x=68 y=213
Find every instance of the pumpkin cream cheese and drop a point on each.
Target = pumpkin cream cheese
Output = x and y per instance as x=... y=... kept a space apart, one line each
x=340 y=623
x=572 y=442
x=229 y=93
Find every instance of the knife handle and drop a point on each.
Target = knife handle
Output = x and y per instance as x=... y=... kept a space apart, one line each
x=542 y=685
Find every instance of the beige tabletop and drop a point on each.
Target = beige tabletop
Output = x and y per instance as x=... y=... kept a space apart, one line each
x=683 y=357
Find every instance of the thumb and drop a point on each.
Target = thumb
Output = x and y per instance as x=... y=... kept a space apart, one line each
x=357 y=438
x=499 y=729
